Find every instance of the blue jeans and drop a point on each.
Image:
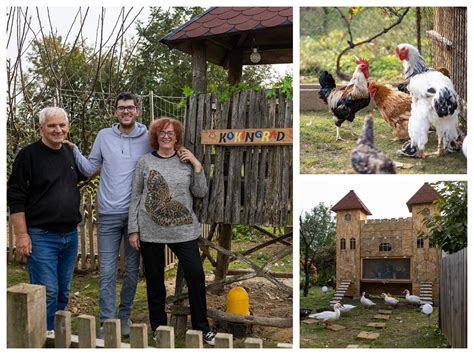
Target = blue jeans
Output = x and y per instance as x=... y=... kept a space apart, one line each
x=112 y=229
x=51 y=264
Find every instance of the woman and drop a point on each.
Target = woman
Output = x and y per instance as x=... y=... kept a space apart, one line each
x=161 y=213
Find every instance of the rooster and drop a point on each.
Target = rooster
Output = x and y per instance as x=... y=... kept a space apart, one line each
x=366 y=159
x=394 y=107
x=346 y=101
x=434 y=101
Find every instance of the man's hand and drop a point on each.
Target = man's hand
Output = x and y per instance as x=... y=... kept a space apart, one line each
x=23 y=244
x=134 y=240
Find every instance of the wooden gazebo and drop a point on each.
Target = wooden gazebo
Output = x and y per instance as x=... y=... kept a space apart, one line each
x=248 y=184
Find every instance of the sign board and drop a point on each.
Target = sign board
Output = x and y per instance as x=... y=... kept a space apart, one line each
x=248 y=136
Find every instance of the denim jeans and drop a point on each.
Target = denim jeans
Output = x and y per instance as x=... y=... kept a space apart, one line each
x=112 y=229
x=51 y=264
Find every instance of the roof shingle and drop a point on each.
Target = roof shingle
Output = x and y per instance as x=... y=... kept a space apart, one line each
x=351 y=202
x=426 y=194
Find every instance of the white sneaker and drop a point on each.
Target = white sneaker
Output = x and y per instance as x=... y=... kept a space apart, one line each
x=49 y=333
x=209 y=337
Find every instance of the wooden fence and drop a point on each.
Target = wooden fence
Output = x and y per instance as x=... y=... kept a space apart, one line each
x=247 y=184
x=26 y=328
x=87 y=255
x=453 y=298
x=449 y=37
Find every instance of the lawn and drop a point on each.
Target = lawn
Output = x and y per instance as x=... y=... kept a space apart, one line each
x=406 y=328
x=321 y=154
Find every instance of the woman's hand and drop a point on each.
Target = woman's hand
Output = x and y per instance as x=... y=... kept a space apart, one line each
x=186 y=156
x=134 y=240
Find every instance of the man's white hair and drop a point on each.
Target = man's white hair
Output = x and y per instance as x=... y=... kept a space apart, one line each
x=51 y=111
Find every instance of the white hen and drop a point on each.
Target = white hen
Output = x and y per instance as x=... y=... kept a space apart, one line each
x=365 y=301
x=347 y=307
x=412 y=299
x=328 y=316
x=434 y=102
x=391 y=301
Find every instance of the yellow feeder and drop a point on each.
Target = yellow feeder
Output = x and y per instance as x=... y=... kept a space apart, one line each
x=238 y=301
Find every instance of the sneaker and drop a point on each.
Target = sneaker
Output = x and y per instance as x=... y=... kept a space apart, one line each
x=209 y=337
x=100 y=333
x=125 y=327
x=154 y=335
x=50 y=333
x=407 y=150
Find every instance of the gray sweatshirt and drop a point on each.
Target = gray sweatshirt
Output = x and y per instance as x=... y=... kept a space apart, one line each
x=116 y=154
x=161 y=209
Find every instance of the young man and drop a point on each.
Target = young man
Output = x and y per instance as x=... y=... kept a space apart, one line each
x=115 y=152
x=44 y=203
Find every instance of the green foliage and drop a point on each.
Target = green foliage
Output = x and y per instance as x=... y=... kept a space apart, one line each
x=285 y=85
x=243 y=232
x=448 y=229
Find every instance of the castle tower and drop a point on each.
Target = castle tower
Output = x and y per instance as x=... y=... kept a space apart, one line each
x=426 y=258
x=350 y=211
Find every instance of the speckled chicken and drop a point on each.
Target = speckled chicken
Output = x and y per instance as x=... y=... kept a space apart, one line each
x=366 y=159
x=394 y=106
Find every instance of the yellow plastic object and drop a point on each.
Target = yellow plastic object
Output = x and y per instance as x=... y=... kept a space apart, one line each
x=238 y=301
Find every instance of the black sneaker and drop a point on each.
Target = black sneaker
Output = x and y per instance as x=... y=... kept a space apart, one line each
x=407 y=150
x=209 y=337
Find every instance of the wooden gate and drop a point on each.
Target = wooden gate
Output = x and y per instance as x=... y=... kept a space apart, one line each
x=450 y=41
x=247 y=184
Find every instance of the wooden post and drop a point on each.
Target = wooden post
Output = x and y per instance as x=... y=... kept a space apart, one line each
x=253 y=343
x=284 y=346
x=26 y=316
x=179 y=321
x=152 y=106
x=62 y=329
x=138 y=336
x=224 y=340
x=165 y=337
x=193 y=339
x=86 y=331
x=199 y=66
x=225 y=241
x=235 y=66
x=112 y=333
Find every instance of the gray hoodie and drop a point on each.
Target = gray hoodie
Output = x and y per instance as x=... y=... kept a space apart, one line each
x=116 y=154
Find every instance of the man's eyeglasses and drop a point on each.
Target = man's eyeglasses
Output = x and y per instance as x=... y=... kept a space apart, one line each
x=128 y=108
x=167 y=133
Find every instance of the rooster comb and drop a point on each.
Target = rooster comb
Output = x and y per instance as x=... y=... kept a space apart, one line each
x=362 y=61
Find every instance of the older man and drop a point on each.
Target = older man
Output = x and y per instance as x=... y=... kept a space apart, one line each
x=44 y=203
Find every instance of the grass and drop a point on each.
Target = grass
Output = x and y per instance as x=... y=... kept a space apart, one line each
x=321 y=154
x=410 y=331
x=85 y=288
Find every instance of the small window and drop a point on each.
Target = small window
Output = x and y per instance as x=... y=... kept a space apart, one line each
x=419 y=242
x=353 y=243
x=432 y=244
x=343 y=244
x=385 y=247
x=348 y=217
x=426 y=212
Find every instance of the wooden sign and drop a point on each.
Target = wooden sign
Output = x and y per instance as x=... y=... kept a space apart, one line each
x=248 y=136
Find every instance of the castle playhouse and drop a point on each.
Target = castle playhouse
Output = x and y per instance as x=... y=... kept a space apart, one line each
x=386 y=255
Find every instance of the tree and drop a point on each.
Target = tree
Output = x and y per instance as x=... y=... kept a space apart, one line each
x=448 y=229
x=317 y=243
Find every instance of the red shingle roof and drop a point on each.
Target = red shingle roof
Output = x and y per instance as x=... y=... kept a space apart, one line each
x=224 y=20
x=426 y=194
x=351 y=202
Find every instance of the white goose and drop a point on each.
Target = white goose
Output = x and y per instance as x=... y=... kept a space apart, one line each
x=347 y=307
x=328 y=316
x=365 y=301
x=391 y=301
x=412 y=299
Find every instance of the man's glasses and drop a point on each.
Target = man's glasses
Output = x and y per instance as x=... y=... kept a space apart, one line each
x=167 y=133
x=128 y=108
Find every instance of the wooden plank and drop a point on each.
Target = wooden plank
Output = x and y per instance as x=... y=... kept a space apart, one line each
x=90 y=234
x=247 y=136
x=82 y=234
x=207 y=158
x=11 y=240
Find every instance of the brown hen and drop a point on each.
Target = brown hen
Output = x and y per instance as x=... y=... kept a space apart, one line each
x=394 y=106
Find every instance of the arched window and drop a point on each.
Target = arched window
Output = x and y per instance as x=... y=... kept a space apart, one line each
x=353 y=243
x=419 y=242
x=347 y=216
x=343 y=244
x=385 y=247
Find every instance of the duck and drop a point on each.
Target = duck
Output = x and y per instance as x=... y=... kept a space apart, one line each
x=412 y=299
x=347 y=307
x=365 y=301
x=391 y=301
x=328 y=316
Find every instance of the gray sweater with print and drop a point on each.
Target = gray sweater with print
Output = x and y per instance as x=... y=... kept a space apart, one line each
x=161 y=207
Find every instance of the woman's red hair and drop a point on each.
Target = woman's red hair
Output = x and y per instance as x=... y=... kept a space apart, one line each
x=159 y=125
